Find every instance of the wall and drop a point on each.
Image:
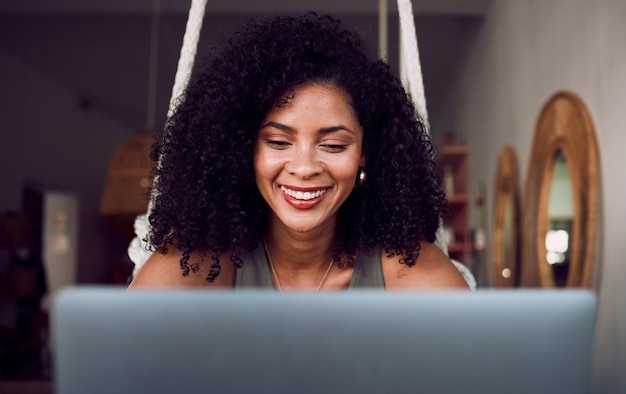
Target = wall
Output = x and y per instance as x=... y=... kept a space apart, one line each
x=524 y=53
x=49 y=138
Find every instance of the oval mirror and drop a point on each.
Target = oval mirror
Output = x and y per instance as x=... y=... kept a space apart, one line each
x=506 y=221
x=561 y=197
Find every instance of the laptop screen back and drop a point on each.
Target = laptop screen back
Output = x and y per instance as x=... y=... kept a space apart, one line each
x=489 y=341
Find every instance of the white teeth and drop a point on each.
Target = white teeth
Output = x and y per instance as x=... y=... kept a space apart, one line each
x=298 y=195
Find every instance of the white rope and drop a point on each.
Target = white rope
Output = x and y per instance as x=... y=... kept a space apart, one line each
x=410 y=66
x=411 y=75
x=137 y=250
x=188 y=51
x=185 y=61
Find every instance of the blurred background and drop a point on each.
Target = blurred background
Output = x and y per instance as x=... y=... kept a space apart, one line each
x=83 y=84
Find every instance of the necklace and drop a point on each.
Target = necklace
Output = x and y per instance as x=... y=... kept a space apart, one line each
x=275 y=276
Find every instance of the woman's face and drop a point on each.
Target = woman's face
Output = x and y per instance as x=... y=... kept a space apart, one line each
x=307 y=155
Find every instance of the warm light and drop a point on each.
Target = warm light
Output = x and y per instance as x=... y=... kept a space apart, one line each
x=556 y=244
x=506 y=273
x=555 y=257
x=557 y=241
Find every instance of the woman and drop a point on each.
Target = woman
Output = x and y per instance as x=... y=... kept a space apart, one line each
x=296 y=162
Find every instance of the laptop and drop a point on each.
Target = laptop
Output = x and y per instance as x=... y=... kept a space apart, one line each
x=107 y=340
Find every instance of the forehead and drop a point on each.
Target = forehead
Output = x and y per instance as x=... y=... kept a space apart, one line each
x=313 y=86
x=314 y=97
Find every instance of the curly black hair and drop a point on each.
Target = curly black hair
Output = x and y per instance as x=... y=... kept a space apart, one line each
x=207 y=198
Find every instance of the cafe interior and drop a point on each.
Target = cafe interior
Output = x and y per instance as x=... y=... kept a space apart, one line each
x=523 y=101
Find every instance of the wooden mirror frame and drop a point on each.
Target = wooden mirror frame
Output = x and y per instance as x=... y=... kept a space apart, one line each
x=506 y=192
x=564 y=124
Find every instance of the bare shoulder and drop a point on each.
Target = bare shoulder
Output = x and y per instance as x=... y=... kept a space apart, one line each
x=162 y=271
x=432 y=270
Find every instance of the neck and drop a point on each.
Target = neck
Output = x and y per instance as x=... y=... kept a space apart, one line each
x=299 y=259
x=299 y=250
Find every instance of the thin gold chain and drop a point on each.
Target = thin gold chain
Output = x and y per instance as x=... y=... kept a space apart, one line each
x=278 y=286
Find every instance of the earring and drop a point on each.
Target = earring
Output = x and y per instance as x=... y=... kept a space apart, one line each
x=360 y=177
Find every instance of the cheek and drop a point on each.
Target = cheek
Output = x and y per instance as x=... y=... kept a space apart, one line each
x=265 y=165
x=346 y=169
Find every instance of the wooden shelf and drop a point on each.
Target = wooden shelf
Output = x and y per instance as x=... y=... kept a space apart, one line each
x=454 y=161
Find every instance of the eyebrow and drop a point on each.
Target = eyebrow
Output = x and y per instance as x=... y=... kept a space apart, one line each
x=289 y=129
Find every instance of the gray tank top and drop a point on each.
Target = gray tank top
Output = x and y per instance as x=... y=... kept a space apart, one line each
x=255 y=272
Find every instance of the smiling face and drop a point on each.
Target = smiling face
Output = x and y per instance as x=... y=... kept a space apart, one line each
x=306 y=157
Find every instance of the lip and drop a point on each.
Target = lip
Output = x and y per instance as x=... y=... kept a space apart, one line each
x=301 y=203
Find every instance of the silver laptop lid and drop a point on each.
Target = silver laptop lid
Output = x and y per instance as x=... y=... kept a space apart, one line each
x=488 y=341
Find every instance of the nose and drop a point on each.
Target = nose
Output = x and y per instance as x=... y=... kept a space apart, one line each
x=304 y=164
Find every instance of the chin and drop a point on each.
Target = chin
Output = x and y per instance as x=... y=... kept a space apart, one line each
x=302 y=228
x=305 y=222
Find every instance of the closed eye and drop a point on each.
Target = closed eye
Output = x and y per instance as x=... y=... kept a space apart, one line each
x=334 y=148
x=276 y=144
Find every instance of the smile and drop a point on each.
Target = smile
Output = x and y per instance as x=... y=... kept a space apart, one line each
x=300 y=195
